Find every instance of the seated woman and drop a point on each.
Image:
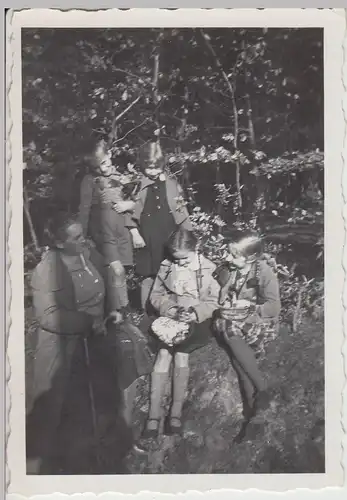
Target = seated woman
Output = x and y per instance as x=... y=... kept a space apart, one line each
x=68 y=298
x=185 y=290
x=248 y=317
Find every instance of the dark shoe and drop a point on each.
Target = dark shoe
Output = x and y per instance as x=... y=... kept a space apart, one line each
x=248 y=411
x=262 y=400
x=151 y=433
x=173 y=426
x=249 y=431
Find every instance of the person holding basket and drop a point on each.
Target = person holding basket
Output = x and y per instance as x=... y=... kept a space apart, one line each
x=250 y=305
x=185 y=296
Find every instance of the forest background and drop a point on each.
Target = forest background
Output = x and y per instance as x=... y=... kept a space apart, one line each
x=239 y=114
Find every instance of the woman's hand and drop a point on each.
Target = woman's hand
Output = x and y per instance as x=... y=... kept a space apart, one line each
x=115 y=316
x=124 y=206
x=138 y=241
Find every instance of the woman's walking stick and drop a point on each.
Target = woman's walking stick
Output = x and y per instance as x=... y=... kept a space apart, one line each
x=92 y=400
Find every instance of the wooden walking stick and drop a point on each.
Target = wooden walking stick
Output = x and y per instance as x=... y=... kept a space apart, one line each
x=92 y=401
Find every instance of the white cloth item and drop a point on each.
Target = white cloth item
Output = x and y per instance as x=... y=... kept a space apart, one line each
x=185 y=279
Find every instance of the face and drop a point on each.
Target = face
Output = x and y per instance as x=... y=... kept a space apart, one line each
x=74 y=242
x=183 y=258
x=153 y=172
x=102 y=160
x=235 y=258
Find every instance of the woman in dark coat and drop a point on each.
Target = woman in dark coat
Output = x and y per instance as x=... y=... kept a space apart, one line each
x=68 y=298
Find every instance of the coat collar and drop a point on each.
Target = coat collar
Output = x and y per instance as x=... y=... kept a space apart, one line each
x=204 y=262
x=146 y=181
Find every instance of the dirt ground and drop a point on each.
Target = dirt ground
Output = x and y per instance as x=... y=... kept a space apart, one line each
x=288 y=438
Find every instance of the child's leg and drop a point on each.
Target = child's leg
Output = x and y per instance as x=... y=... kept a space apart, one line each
x=246 y=386
x=117 y=288
x=146 y=287
x=180 y=383
x=245 y=357
x=129 y=395
x=159 y=380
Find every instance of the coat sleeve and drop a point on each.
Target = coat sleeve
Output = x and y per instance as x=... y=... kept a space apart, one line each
x=269 y=294
x=160 y=297
x=50 y=315
x=86 y=196
x=209 y=299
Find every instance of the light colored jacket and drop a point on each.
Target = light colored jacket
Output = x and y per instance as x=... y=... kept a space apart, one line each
x=173 y=192
x=261 y=287
x=164 y=298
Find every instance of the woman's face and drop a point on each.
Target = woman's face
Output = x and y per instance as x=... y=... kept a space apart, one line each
x=183 y=257
x=75 y=241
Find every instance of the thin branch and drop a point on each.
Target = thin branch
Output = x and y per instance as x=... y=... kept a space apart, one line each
x=130 y=74
x=118 y=117
x=130 y=131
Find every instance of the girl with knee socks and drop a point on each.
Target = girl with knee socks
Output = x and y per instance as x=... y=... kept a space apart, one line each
x=184 y=289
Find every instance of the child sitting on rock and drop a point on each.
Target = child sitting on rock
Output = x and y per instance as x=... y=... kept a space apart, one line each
x=248 y=317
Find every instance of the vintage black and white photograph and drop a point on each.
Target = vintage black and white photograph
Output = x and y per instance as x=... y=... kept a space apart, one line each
x=173 y=250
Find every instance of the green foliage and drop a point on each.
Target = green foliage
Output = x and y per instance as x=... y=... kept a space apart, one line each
x=82 y=82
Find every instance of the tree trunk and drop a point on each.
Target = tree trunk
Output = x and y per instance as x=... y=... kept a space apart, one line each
x=181 y=137
x=206 y=38
x=250 y=122
x=26 y=207
x=156 y=94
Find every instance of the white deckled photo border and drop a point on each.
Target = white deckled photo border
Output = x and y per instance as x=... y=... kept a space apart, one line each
x=335 y=96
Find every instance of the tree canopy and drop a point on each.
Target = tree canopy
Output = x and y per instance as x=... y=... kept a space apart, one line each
x=226 y=104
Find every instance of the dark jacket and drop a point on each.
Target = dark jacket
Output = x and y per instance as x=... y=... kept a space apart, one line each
x=54 y=296
x=173 y=193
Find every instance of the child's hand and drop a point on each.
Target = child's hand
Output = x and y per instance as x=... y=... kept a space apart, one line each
x=124 y=206
x=138 y=241
x=187 y=316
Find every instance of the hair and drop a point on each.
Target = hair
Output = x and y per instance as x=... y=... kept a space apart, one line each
x=92 y=142
x=248 y=243
x=147 y=151
x=182 y=240
x=56 y=227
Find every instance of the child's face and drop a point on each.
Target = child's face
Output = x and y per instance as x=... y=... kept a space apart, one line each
x=102 y=161
x=235 y=257
x=153 y=172
x=183 y=258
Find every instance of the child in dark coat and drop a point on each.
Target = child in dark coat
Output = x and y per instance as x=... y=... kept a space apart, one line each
x=157 y=213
